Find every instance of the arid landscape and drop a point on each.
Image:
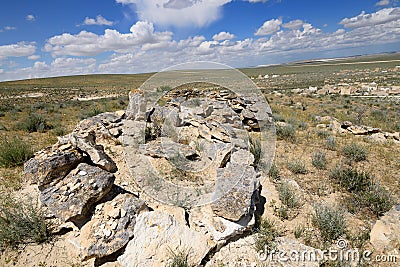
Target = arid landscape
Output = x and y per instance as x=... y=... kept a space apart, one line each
x=334 y=176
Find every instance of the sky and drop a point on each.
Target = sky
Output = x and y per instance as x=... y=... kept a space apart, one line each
x=46 y=38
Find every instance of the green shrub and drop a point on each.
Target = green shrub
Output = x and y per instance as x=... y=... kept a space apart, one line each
x=274 y=172
x=376 y=199
x=266 y=234
x=355 y=152
x=323 y=134
x=351 y=179
x=178 y=258
x=21 y=222
x=288 y=196
x=34 y=123
x=297 y=167
x=287 y=132
x=329 y=221
x=255 y=149
x=330 y=143
x=319 y=160
x=14 y=152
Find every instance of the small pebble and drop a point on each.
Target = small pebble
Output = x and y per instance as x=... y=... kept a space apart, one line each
x=82 y=173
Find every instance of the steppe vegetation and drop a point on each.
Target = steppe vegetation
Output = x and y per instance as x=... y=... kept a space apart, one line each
x=315 y=171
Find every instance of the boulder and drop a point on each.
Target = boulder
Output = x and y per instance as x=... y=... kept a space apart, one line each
x=377 y=138
x=362 y=130
x=385 y=234
x=137 y=106
x=50 y=165
x=110 y=228
x=73 y=197
x=235 y=186
x=157 y=235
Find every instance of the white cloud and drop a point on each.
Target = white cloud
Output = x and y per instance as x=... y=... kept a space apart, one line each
x=269 y=27
x=223 y=36
x=30 y=17
x=99 y=20
x=380 y=17
x=1 y=71
x=90 y=44
x=294 y=24
x=21 y=49
x=257 y=1
x=10 y=28
x=383 y=3
x=179 y=13
x=34 y=57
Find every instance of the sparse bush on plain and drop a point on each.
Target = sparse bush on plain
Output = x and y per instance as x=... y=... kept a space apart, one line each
x=34 y=123
x=288 y=195
x=21 y=222
x=329 y=221
x=323 y=134
x=267 y=232
x=319 y=160
x=14 y=152
x=355 y=152
x=297 y=167
x=351 y=179
x=287 y=132
x=330 y=143
x=274 y=172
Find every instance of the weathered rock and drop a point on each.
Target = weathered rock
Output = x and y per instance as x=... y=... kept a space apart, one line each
x=235 y=186
x=362 y=130
x=72 y=197
x=377 y=138
x=137 y=106
x=166 y=148
x=385 y=234
x=242 y=156
x=87 y=144
x=110 y=228
x=156 y=234
x=394 y=136
x=346 y=124
x=49 y=165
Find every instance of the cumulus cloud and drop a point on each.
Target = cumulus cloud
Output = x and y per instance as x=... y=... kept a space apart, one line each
x=30 y=17
x=223 y=36
x=380 y=17
x=10 y=28
x=383 y=3
x=22 y=49
x=178 y=13
x=34 y=57
x=294 y=24
x=99 y=20
x=269 y=27
x=90 y=44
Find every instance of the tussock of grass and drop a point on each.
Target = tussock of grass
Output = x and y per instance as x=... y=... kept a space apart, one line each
x=287 y=133
x=34 y=123
x=21 y=222
x=14 y=152
x=319 y=160
x=355 y=152
x=330 y=222
x=266 y=234
x=178 y=258
x=297 y=167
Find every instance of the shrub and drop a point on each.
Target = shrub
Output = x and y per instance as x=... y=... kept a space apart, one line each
x=351 y=179
x=329 y=221
x=323 y=134
x=319 y=160
x=178 y=258
x=330 y=143
x=34 y=123
x=297 y=167
x=255 y=149
x=266 y=234
x=274 y=172
x=286 y=132
x=14 y=152
x=288 y=196
x=376 y=199
x=355 y=152
x=21 y=222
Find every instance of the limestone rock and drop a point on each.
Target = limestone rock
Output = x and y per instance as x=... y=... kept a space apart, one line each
x=156 y=234
x=377 y=138
x=235 y=186
x=110 y=228
x=385 y=234
x=137 y=106
x=362 y=130
x=72 y=197
x=48 y=165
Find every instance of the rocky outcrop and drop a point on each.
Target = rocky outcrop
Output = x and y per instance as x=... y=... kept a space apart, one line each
x=72 y=197
x=110 y=228
x=157 y=236
x=385 y=234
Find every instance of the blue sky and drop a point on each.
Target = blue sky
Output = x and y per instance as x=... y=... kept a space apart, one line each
x=57 y=38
